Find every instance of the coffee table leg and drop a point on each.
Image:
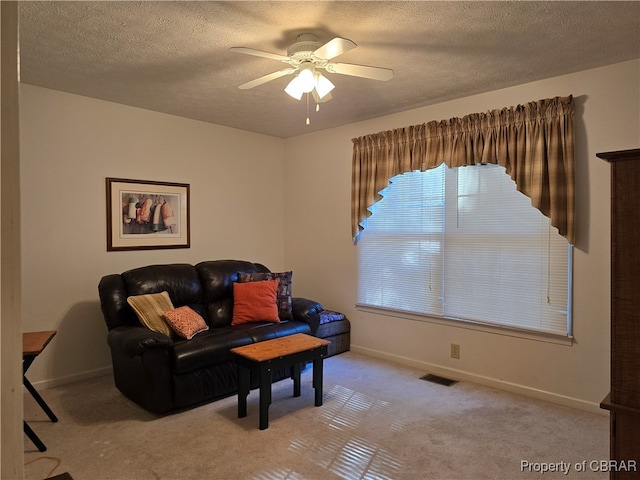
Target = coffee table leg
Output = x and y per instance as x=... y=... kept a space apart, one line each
x=317 y=380
x=295 y=375
x=265 y=396
x=243 y=390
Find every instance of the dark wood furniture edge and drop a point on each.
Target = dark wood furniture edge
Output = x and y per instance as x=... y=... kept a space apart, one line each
x=622 y=400
x=33 y=343
x=619 y=155
x=607 y=404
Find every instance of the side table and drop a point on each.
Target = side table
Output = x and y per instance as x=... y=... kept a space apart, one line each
x=33 y=343
x=263 y=357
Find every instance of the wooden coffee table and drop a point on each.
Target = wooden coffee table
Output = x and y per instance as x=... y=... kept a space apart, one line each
x=261 y=358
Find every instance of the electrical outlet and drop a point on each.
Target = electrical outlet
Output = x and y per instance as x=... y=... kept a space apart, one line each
x=455 y=351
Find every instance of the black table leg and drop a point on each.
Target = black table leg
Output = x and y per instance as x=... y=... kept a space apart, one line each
x=39 y=399
x=34 y=438
x=27 y=360
x=317 y=380
x=244 y=376
x=295 y=375
x=265 y=395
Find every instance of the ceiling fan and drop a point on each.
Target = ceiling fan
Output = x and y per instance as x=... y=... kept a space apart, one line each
x=306 y=57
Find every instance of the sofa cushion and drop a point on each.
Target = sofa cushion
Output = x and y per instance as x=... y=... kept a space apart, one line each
x=185 y=322
x=330 y=329
x=220 y=313
x=261 y=331
x=283 y=294
x=217 y=278
x=179 y=280
x=214 y=346
x=209 y=348
x=150 y=308
x=255 y=302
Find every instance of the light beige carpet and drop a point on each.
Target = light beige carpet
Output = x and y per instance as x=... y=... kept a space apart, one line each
x=379 y=421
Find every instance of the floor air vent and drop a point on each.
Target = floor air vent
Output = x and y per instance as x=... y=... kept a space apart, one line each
x=447 y=382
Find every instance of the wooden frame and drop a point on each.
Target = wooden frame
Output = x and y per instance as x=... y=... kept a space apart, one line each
x=147 y=215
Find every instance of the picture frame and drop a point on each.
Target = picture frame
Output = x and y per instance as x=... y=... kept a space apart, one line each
x=147 y=215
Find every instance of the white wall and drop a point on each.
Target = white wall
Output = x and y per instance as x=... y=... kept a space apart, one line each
x=69 y=145
x=319 y=249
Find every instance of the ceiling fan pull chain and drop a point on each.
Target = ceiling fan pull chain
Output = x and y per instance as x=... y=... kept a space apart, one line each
x=308 y=121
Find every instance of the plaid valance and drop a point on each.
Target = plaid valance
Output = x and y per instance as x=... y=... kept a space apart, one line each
x=534 y=142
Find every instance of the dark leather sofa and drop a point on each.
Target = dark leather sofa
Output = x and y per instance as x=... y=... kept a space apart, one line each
x=164 y=374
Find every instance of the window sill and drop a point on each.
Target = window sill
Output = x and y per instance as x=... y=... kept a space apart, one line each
x=470 y=325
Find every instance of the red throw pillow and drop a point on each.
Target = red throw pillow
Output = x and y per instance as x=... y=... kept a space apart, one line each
x=255 y=302
x=185 y=322
x=283 y=294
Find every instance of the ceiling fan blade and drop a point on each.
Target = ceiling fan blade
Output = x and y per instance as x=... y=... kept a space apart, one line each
x=266 y=78
x=374 y=73
x=260 y=53
x=333 y=48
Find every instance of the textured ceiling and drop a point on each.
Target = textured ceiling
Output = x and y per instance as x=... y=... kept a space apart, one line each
x=174 y=57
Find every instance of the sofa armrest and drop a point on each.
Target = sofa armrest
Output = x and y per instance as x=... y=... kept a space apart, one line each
x=136 y=340
x=307 y=311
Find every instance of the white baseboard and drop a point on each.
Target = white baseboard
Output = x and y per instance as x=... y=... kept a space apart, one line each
x=461 y=375
x=78 y=377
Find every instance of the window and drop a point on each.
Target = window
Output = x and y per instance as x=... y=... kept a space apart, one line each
x=464 y=244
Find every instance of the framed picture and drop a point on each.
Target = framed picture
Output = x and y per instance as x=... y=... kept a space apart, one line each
x=145 y=215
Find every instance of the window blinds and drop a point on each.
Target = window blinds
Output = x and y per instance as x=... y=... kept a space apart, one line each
x=465 y=244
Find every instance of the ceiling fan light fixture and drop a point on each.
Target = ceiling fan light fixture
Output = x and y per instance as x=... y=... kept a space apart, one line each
x=303 y=82
x=323 y=85
x=294 y=88
x=306 y=77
